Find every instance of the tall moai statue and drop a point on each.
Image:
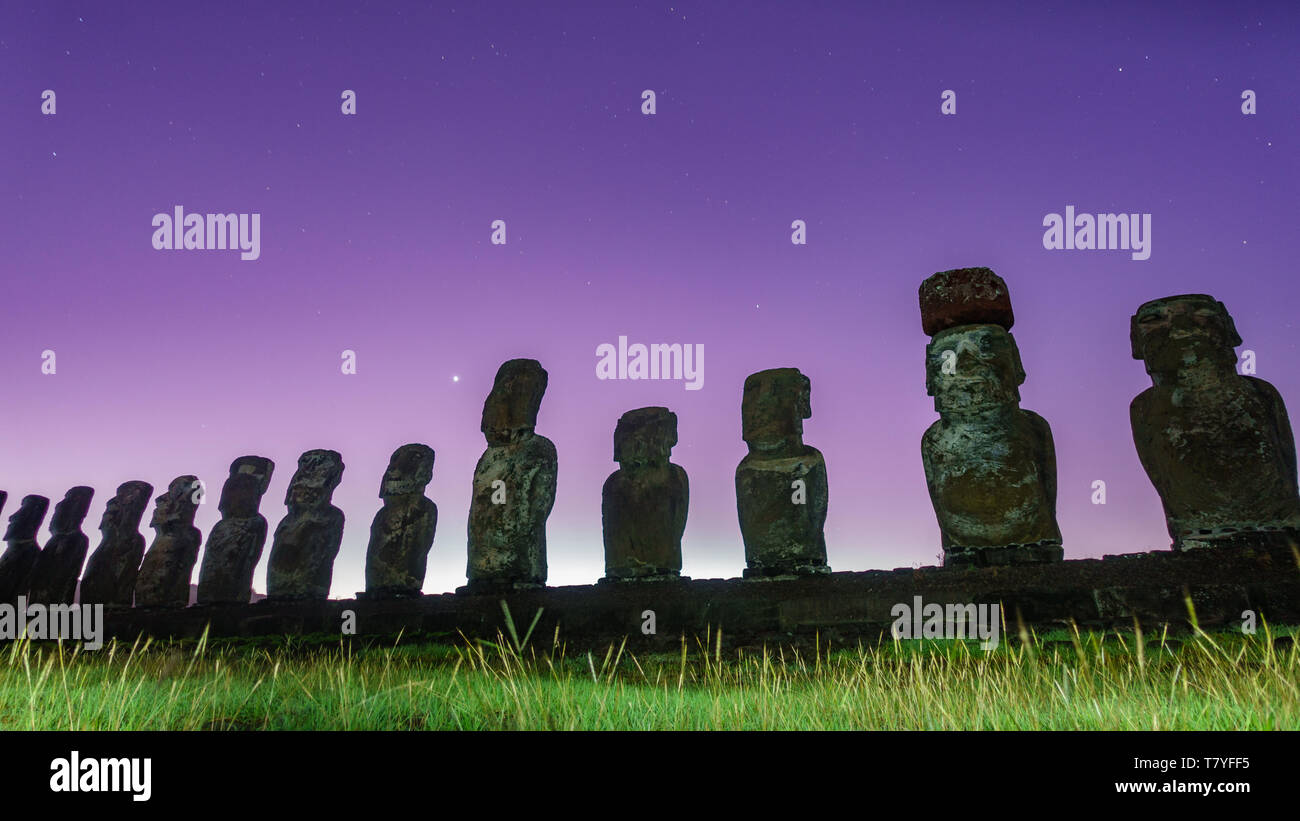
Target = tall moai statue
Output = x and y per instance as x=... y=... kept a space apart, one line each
x=235 y=543
x=401 y=534
x=164 y=577
x=21 y=551
x=112 y=569
x=643 y=504
x=990 y=465
x=514 y=484
x=1217 y=445
x=54 y=577
x=781 y=491
x=307 y=540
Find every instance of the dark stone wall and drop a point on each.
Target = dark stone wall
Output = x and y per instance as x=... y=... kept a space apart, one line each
x=1151 y=588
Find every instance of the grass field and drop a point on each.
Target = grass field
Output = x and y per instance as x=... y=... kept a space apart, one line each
x=1059 y=680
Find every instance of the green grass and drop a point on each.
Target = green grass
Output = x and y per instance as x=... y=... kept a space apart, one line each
x=1059 y=680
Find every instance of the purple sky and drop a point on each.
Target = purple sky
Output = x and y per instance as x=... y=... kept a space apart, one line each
x=666 y=228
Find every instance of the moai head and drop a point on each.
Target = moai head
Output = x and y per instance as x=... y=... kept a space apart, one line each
x=26 y=520
x=242 y=493
x=176 y=507
x=645 y=436
x=973 y=368
x=4 y=497
x=1180 y=332
x=773 y=408
x=124 y=511
x=964 y=296
x=312 y=485
x=510 y=411
x=71 y=511
x=410 y=469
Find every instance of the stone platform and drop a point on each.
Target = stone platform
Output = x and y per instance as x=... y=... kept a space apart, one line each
x=1151 y=588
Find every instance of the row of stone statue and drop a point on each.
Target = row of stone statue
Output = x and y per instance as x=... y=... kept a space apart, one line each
x=1217 y=446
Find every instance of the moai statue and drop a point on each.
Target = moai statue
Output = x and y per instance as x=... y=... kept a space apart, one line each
x=402 y=531
x=307 y=540
x=990 y=466
x=22 y=551
x=235 y=543
x=54 y=577
x=111 y=571
x=514 y=484
x=643 y=503
x=781 y=491
x=4 y=497
x=1217 y=446
x=164 y=577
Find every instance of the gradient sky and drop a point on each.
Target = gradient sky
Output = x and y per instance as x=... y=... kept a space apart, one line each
x=666 y=228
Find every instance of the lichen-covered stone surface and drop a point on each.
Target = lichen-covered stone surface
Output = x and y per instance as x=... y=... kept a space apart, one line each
x=21 y=550
x=236 y=542
x=964 y=296
x=307 y=540
x=111 y=571
x=402 y=532
x=514 y=484
x=989 y=465
x=54 y=576
x=781 y=488
x=164 y=578
x=1217 y=445
x=644 y=503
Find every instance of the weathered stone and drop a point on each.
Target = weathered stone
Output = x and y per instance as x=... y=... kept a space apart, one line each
x=964 y=296
x=21 y=550
x=307 y=540
x=401 y=534
x=990 y=466
x=54 y=576
x=164 y=577
x=781 y=490
x=1217 y=445
x=514 y=484
x=644 y=502
x=111 y=571
x=235 y=543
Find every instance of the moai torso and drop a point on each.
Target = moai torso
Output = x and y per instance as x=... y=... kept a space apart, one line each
x=1217 y=446
x=307 y=540
x=21 y=551
x=989 y=465
x=514 y=484
x=235 y=543
x=781 y=489
x=644 y=502
x=401 y=534
x=111 y=571
x=164 y=577
x=54 y=577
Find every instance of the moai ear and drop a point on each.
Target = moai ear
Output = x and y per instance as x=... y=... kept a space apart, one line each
x=1135 y=336
x=1234 y=338
x=1015 y=359
x=805 y=397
